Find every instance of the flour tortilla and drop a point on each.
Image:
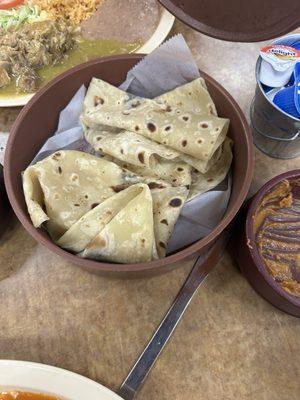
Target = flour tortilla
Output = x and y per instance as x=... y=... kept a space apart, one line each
x=167 y=205
x=90 y=230
x=194 y=132
x=80 y=234
x=128 y=237
x=141 y=155
x=60 y=189
x=192 y=96
x=78 y=196
x=202 y=183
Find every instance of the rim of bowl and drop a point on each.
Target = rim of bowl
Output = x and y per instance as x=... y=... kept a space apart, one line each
x=111 y=267
x=267 y=33
x=250 y=234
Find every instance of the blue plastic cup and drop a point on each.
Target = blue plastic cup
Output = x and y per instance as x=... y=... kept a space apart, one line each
x=288 y=98
x=284 y=99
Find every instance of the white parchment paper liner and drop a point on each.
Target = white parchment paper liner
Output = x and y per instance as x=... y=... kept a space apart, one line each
x=169 y=66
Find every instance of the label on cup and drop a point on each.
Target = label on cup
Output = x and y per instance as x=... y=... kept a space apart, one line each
x=280 y=57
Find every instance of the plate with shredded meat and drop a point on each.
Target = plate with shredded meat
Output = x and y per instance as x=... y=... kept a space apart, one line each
x=40 y=39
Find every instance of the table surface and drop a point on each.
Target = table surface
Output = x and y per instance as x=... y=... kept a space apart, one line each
x=231 y=344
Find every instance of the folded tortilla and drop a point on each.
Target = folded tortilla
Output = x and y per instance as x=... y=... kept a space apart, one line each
x=127 y=237
x=81 y=197
x=196 y=132
x=66 y=185
x=167 y=205
x=144 y=156
x=192 y=96
x=202 y=183
x=124 y=228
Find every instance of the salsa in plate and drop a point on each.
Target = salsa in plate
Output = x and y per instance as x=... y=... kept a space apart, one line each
x=25 y=396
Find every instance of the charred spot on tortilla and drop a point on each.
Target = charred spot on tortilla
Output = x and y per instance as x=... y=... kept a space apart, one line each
x=204 y=125
x=168 y=108
x=155 y=185
x=86 y=196
x=74 y=177
x=164 y=221
x=98 y=100
x=122 y=151
x=174 y=180
x=168 y=128
x=77 y=205
x=163 y=245
x=210 y=180
x=151 y=127
x=211 y=109
x=98 y=138
x=188 y=187
x=136 y=128
x=99 y=242
x=184 y=143
x=185 y=118
x=59 y=170
x=199 y=141
x=141 y=157
x=119 y=188
x=56 y=156
x=135 y=104
x=180 y=169
x=175 y=202
x=94 y=205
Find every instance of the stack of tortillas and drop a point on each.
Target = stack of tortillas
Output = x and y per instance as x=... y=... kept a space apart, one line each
x=155 y=154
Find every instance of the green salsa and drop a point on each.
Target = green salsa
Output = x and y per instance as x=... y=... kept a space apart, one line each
x=83 y=51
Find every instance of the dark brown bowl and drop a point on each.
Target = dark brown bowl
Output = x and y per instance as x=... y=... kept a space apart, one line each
x=238 y=20
x=38 y=120
x=250 y=262
x=4 y=204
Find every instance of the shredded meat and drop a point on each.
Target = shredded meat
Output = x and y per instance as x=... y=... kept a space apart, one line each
x=23 y=51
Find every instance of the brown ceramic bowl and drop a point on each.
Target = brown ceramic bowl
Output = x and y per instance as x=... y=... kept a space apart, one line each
x=250 y=262
x=4 y=205
x=38 y=120
x=238 y=20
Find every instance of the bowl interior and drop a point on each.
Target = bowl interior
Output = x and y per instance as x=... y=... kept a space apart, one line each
x=38 y=120
x=255 y=203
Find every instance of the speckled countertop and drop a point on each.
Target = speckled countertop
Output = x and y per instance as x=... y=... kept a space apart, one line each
x=231 y=344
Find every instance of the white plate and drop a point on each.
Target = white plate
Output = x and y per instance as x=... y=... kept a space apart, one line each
x=163 y=29
x=39 y=378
